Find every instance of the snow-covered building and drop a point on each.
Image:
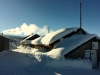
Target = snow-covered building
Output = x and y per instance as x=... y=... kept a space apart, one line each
x=51 y=39
x=75 y=46
x=27 y=40
x=38 y=44
x=75 y=42
x=4 y=43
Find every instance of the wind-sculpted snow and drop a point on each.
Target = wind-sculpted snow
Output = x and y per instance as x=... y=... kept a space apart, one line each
x=54 y=59
x=29 y=61
x=40 y=59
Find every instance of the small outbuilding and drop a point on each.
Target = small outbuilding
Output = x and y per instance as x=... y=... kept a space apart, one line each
x=27 y=40
x=4 y=43
x=38 y=44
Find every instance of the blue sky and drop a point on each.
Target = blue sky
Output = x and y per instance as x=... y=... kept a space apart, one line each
x=55 y=14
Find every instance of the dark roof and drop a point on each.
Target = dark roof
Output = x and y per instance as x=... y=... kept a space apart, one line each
x=26 y=37
x=32 y=37
x=4 y=36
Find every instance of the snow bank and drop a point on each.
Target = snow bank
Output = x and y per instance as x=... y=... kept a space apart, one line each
x=55 y=53
x=54 y=59
x=40 y=59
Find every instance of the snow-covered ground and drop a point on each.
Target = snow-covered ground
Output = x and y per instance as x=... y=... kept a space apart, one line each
x=28 y=61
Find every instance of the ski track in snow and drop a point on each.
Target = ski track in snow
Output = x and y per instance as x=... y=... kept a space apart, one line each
x=17 y=62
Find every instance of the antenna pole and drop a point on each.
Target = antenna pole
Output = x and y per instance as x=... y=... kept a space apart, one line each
x=48 y=29
x=80 y=15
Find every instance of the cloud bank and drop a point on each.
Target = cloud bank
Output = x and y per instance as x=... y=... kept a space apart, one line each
x=27 y=30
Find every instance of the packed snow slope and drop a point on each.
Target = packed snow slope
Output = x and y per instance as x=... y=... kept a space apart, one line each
x=28 y=61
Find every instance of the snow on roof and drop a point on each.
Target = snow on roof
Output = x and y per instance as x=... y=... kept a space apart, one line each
x=30 y=36
x=37 y=41
x=53 y=36
x=72 y=42
x=27 y=37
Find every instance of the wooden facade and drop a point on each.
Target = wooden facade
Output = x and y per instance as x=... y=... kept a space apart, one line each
x=4 y=43
x=79 y=52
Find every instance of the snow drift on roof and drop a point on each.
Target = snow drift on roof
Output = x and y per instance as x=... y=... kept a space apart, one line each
x=53 y=36
x=73 y=42
x=37 y=41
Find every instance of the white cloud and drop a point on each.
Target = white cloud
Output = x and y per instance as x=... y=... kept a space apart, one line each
x=27 y=29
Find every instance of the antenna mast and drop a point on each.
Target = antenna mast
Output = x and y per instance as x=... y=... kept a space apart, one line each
x=80 y=15
x=48 y=29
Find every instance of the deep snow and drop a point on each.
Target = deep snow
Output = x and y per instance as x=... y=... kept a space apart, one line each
x=28 y=61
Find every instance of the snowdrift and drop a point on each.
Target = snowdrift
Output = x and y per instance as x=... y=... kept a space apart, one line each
x=53 y=59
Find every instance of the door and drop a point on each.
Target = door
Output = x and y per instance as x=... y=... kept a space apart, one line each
x=94 y=58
